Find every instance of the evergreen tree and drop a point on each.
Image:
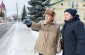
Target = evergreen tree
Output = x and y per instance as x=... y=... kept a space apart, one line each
x=2 y=15
x=24 y=13
x=37 y=8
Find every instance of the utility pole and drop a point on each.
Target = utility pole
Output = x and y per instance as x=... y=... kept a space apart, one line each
x=17 y=10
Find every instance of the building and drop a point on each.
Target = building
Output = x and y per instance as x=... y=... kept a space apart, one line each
x=64 y=4
x=3 y=10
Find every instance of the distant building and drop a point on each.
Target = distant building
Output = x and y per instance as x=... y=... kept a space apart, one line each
x=3 y=10
x=64 y=4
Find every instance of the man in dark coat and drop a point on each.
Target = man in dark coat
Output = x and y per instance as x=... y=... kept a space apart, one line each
x=73 y=34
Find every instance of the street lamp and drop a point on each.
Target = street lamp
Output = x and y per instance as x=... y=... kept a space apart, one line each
x=17 y=10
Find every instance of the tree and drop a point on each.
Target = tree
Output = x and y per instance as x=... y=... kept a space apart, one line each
x=2 y=14
x=37 y=8
x=24 y=13
x=15 y=17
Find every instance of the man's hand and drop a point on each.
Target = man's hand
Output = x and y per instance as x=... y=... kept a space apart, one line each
x=27 y=22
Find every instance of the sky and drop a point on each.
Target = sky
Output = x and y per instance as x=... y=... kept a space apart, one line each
x=11 y=6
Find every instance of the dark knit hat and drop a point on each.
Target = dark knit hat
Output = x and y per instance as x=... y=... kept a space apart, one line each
x=71 y=11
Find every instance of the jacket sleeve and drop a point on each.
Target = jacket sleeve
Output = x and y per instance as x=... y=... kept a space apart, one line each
x=59 y=41
x=80 y=35
x=36 y=26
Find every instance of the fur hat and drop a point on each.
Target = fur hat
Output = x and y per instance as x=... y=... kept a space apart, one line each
x=49 y=11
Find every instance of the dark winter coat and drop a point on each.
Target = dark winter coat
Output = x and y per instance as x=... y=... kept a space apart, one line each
x=73 y=37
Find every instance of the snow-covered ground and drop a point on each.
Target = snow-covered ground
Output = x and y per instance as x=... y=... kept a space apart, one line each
x=19 y=40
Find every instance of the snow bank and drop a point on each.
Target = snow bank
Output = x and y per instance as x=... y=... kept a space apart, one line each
x=19 y=40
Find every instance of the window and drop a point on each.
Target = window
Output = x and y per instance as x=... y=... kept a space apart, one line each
x=61 y=4
x=84 y=16
x=59 y=0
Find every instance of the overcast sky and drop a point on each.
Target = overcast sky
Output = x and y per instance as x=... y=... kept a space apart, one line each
x=11 y=6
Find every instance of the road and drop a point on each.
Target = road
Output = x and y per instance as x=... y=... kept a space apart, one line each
x=4 y=28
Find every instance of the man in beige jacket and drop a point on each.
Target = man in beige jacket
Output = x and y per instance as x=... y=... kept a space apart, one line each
x=48 y=42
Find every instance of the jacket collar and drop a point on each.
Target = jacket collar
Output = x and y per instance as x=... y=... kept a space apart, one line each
x=50 y=23
x=72 y=20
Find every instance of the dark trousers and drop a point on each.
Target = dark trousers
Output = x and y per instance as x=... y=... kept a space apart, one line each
x=40 y=54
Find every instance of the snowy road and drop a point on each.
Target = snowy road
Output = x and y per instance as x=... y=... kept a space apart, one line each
x=19 y=40
x=4 y=27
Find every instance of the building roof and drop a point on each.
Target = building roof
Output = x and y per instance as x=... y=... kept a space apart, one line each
x=2 y=6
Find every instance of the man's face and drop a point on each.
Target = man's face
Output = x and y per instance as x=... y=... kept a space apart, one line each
x=67 y=16
x=48 y=18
